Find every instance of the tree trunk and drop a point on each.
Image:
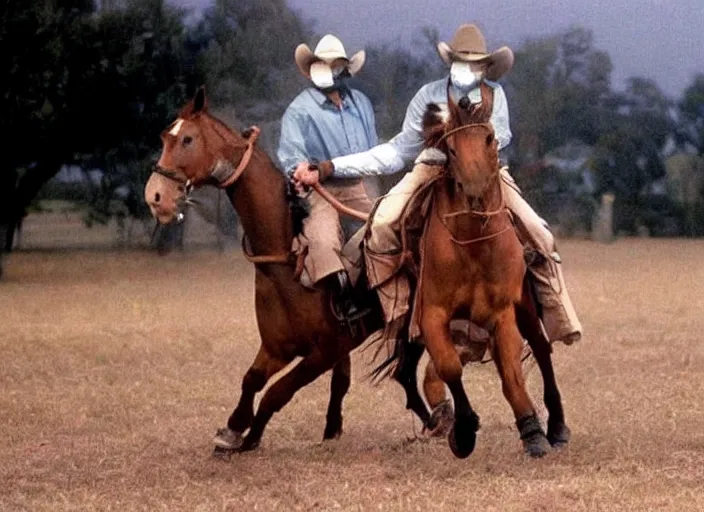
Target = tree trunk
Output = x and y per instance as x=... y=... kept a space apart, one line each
x=16 y=196
x=8 y=183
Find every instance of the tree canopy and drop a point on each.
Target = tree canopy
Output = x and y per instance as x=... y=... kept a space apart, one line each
x=94 y=84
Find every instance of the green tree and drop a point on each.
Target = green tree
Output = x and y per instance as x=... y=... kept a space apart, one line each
x=691 y=108
x=45 y=70
x=147 y=74
x=558 y=91
x=628 y=157
x=92 y=89
x=249 y=55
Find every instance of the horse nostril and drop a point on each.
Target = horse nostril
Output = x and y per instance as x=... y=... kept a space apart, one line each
x=157 y=197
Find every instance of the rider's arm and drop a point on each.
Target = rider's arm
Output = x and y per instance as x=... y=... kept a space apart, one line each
x=499 y=118
x=292 y=143
x=391 y=156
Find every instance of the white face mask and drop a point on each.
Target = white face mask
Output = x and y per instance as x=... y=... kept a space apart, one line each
x=323 y=76
x=463 y=77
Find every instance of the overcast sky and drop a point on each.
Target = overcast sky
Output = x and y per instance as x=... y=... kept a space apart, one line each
x=659 y=39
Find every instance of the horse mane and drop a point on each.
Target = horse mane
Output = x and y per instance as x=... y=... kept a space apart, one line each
x=435 y=121
x=298 y=206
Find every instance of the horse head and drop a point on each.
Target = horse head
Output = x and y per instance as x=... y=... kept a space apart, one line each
x=463 y=132
x=197 y=149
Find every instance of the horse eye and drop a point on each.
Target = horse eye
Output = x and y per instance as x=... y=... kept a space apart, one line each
x=489 y=139
x=187 y=140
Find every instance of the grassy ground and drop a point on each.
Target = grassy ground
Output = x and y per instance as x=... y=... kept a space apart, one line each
x=117 y=368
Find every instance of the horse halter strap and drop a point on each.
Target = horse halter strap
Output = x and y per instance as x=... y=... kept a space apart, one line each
x=229 y=180
x=477 y=213
x=173 y=176
x=244 y=162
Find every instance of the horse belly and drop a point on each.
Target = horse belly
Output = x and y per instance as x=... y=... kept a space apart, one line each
x=289 y=318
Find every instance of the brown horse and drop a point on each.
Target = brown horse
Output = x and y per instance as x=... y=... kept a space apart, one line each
x=473 y=268
x=293 y=320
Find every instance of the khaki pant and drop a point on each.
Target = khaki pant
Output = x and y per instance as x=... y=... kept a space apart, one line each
x=322 y=230
x=559 y=316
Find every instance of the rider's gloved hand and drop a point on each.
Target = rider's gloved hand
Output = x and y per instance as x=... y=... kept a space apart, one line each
x=306 y=174
x=326 y=169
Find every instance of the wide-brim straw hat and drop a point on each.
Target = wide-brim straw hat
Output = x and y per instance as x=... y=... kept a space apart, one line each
x=468 y=45
x=328 y=50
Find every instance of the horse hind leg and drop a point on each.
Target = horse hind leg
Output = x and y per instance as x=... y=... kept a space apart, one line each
x=405 y=374
x=281 y=392
x=436 y=330
x=507 y=350
x=529 y=325
x=339 y=385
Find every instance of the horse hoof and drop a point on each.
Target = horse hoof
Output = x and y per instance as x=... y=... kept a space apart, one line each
x=248 y=445
x=559 y=435
x=222 y=453
x=463 y=436
x=441 y=419
x=331 y=436
x=536 y=445
x=333 y=428
x=227 y=439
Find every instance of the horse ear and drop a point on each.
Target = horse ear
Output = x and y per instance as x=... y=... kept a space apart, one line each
x=200 y=102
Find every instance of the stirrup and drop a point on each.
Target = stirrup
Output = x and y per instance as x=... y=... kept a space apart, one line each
x=344 y=308
x=348 y=315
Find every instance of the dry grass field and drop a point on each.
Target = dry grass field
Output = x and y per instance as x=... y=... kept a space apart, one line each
x=118 y=366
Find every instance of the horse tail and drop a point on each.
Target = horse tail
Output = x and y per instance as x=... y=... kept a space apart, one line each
x=396 y=333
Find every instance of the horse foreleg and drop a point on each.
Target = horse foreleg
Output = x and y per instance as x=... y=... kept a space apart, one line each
x=529 y=325
x=442 y=415
x=339 y=385
x=263 y=367
x=281 y=392
x=507 y=350
x=435 y=324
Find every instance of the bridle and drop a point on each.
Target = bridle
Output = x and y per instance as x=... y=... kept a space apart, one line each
x=485 y=215
x=185 y=182
x=182 y=179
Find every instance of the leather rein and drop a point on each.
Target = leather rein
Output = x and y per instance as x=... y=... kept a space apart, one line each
x=444 y=219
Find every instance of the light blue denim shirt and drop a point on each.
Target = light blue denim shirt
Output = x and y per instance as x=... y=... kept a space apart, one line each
x=313 y=128
x=403 y=148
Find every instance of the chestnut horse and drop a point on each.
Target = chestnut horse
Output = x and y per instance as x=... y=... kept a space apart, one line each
x=473 y=268
x=293 y=321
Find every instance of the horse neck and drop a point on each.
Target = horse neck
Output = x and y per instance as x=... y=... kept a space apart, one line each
x=259 y=197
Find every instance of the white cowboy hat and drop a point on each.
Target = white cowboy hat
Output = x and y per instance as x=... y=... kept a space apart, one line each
x=328 y=50
x=468 y=45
